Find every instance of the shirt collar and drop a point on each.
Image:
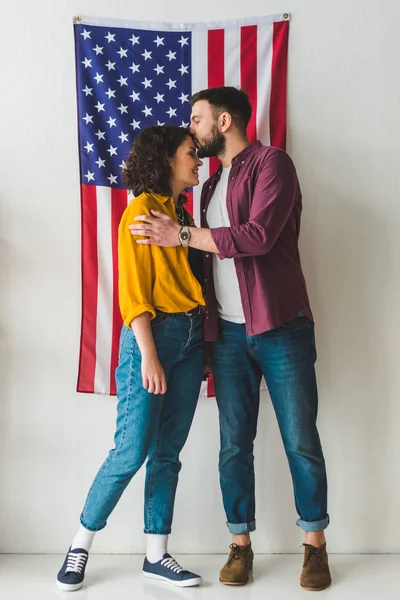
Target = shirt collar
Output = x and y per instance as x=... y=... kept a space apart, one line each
x=242 y=155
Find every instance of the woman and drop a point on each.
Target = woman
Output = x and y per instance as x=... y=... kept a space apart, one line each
x=161 y=359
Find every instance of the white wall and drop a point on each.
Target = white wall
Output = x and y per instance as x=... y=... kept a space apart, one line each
x=344 y=128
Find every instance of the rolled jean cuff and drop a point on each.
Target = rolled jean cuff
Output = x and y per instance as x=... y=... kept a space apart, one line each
x=313 y=525
x=157 y=531
x=91 y=528
x=239 y=528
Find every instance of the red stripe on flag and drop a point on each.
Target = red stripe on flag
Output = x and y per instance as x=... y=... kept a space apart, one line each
x=278 y=84
x=216 y=71
x=87 y=358
x=248 y=73
x=119 y=200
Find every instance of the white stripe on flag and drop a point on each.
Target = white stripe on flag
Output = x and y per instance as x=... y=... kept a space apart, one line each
x=264 y=76
x=199 y=82
x=105 y=288
x=232 y=57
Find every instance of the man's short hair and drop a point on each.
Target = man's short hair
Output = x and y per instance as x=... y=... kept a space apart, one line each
x=227 y=99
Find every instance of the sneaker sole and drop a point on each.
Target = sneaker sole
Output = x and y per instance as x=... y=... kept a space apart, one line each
x=69 y=587
x=187 y=583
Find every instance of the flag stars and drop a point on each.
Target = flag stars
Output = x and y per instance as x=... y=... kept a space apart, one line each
x=110 y=66
x=86 y=34
x=89 y=176
x=111 y=122
x=183 y=97
x=87 y=91
x=171 y=84
x=87 y=62
x=183 y=124
x=184 y=41
x=171 y=112
x=123 y=109
x=159 y=41
x=171 y=55
x=135 y=68
x=98 y=49
x=184 y=70
x=112 y=151
x=100 y=107
x=122 y=53
x=146 y=55
x=99 y=78
x=88 y=119
x=135 y=124
x=101 y=135
x=123 y=137
x=135 y=40
x=147 y=83
x=110 y=93
x=112 y=178
x=100 y=163
x=147 y=111
x=135 y=96
x=88 y=147
x=159 y=70
x=122 y=81
x=110 y=37
x=159 y=97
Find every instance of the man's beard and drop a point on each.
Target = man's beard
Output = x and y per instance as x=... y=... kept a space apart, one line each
x=213 y=145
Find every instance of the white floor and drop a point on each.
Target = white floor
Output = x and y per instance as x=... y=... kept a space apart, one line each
x=117 y=577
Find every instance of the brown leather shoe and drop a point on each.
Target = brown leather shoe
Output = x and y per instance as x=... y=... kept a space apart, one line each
x=238 y=566
x=315 y=575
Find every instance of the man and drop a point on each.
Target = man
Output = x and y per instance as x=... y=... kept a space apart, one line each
x=258 y=316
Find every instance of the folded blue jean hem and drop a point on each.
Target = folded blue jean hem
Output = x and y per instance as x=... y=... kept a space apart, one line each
x=313 y=525
x=239 y=528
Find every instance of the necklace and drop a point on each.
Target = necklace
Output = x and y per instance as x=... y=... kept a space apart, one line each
x=180 y=214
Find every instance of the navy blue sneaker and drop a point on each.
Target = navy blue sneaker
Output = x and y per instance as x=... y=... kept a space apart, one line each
x=72 y=573
x=167 y=569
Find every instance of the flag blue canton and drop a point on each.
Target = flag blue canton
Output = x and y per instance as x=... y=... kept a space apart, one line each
x=128 y=79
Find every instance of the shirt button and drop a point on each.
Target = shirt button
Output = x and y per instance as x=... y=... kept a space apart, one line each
x=204 y=210
x=207 y=317
x=207 y=256
x=205 y=281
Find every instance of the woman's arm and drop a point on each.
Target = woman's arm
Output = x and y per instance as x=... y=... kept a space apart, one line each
x=153 y=375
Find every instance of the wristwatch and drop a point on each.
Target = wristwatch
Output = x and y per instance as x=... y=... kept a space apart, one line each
x=184 y=235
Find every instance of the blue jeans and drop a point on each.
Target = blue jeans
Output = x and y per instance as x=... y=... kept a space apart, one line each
x=286 y=357
x=151 y=426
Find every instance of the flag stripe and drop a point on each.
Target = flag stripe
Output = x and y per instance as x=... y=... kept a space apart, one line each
x=264 y=67
x=105 y=289
x=119 y=202
x=87 y=361
x=278 y=84
x=248 y=73
x=216 y=70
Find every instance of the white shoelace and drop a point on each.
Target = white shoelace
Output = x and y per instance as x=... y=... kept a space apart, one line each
x=76 y=562
x=172 y=564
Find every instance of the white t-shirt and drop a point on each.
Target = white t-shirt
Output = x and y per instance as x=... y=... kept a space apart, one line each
x=224 y=272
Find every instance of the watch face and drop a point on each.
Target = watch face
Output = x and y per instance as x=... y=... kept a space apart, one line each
x=184 y=236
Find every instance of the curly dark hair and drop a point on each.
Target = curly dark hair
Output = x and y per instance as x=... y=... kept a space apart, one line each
x=147 y=167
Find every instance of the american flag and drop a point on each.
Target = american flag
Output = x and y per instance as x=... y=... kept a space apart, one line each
x=131 y=75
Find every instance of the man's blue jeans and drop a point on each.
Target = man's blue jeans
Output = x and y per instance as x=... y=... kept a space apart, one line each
x=286 y=357
x=151 y=426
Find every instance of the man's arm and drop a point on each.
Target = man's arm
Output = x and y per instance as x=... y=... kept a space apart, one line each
x=273 y=199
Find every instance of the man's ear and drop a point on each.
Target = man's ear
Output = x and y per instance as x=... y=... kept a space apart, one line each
x=224 y=121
